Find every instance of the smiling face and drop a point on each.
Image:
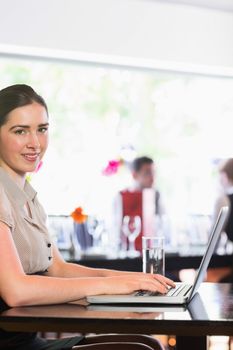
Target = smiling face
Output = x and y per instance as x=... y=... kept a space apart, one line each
x=23 y=139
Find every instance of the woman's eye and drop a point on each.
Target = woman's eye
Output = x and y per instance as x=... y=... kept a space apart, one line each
x=20 y=132
x=42 y=130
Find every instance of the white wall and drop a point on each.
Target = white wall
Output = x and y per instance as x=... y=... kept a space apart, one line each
x=149 y=32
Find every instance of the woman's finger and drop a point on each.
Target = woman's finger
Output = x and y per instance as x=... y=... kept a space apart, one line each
x=153 y=285
x=165 y=280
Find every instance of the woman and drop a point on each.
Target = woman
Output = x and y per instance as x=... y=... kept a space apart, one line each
x=26 y=247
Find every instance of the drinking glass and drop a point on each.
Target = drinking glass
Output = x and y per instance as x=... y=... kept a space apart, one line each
x=153 y=257
x=95 y=228
x=131 y=227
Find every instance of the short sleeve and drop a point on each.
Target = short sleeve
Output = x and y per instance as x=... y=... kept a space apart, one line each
x=5 y=208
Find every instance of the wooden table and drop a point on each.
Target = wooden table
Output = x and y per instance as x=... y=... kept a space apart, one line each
x=209 y=313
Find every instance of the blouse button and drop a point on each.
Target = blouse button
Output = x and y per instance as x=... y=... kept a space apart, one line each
x=49 y=245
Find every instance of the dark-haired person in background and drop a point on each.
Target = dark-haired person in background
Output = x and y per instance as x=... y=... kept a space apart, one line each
x=32 y=271
x=144 y=174
x=226 y=199
x=143 y=170
x=141 y=199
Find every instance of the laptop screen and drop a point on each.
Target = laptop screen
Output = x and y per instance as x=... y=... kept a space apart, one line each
x=216 y=231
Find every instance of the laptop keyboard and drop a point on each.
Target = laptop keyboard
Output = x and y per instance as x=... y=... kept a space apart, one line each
x=179 y=289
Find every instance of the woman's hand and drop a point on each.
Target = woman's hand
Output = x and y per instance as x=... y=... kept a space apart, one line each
x=129 y=283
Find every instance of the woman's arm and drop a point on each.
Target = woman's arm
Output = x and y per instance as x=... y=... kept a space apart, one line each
x=60 y=268
x=18 y=289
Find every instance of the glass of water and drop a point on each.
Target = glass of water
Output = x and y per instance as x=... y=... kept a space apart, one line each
x=153 y=256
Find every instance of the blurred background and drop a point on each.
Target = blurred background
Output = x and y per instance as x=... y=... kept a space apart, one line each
x=98 y=114
x=124 y=79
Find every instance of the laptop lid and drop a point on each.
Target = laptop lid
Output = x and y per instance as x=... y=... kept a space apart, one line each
x=216 y=231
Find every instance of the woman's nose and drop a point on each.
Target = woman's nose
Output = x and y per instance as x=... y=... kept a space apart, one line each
x=33 y=141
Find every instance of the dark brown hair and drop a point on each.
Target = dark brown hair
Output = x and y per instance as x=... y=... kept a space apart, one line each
x=227 y=168
x=138 y=163
x=15 y=96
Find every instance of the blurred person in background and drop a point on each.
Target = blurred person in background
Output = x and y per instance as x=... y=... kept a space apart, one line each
x=226 y=199
x=141 y=199
x=144 y=175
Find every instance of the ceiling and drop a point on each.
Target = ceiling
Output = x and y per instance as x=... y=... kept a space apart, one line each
x=222 y=5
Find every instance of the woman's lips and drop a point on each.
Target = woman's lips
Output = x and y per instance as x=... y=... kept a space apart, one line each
x=31 y=157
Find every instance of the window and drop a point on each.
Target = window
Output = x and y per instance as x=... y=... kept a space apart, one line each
x=99 y=113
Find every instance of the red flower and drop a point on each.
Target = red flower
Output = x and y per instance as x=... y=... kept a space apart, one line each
x=78 y=215
x=112 y=167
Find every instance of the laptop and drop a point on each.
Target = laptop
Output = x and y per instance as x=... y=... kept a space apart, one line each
x=183 y=292
x=195 y=308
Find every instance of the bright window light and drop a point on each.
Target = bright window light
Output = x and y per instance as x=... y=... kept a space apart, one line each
x=100 y=113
